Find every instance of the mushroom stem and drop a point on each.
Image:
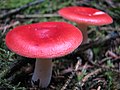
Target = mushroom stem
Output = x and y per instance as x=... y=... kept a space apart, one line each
x=42 y=73
x=83 y=29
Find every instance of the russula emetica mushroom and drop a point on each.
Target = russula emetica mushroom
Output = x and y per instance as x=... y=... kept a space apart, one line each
x=44 y=41
x=84 y=17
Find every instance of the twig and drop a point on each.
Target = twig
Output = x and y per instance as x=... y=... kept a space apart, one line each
x=8 y=26
x=104 y=60
x=14 y=11
x=99 y=88
x=36 y=16
x=96 y=72
x=109 y=37
x=83 y=69
x=110 y=3
x=69 y=70
x=106 y=68
x=72 y=75
x=88 y=76
x=111 y=54
x=110 y=28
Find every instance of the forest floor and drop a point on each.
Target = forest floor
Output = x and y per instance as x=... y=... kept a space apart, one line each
x=75 y=71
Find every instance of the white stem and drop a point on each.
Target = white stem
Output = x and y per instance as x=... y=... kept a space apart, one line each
x=42 y=72
x=83 y=29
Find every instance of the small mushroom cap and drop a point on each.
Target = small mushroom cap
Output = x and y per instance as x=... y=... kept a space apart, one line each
x=44 y=40
x=85 y=15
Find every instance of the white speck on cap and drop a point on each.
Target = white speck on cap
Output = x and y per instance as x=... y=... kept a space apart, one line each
x=98 y=13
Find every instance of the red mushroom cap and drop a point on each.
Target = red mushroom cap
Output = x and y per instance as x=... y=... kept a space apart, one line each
x=44 y=40
x=85 y=15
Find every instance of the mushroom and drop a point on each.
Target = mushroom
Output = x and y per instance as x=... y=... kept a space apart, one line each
x=43 y=41
x=84 y=17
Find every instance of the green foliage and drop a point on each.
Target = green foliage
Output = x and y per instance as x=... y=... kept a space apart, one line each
x=5 y=54
x=109 y=75
x=96 y=51
x=109 y=63
x=80 y=77
x=115 y=12
x=46 y=7
x=4 y=83
x=13 y=3
x=49 y=6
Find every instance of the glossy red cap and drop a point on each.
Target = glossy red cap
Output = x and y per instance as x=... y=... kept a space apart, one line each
x=44 y=40
x=85 y=15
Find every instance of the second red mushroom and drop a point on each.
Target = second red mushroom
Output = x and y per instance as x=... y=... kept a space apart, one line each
x=84 y=17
